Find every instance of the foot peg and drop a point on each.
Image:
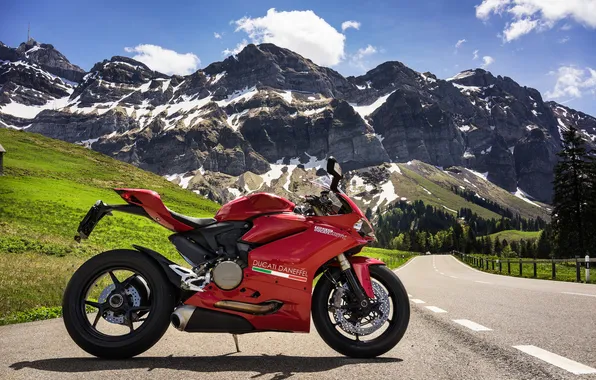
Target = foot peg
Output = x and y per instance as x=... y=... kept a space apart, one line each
x=236 y=342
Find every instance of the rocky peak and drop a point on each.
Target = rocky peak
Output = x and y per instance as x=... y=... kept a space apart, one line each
x=124 y=70
x=271 y=66
x=475 y=78
x=50 y=59
x=386 y=75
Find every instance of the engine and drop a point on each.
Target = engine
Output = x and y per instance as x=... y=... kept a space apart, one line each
x=227 y=275
x=215 y=253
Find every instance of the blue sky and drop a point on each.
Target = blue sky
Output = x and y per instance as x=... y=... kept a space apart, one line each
x=548 y=45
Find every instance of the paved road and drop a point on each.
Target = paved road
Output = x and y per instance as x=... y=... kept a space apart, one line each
x=552 y=320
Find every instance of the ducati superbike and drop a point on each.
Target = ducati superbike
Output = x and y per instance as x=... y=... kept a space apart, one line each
x=252 y=269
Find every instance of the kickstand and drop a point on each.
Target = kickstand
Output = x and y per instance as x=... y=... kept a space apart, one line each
x=236 y=342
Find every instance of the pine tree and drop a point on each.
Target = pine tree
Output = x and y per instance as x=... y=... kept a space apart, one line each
x=488 y=246
x=498 y=247
x=544 y=244
x=574 y=203
x=515 y=247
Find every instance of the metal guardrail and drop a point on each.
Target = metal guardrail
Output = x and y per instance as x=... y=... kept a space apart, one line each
x=498 y=265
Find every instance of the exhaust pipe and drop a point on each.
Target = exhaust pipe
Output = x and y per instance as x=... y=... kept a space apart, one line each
x=250 y=308
x=181 y=316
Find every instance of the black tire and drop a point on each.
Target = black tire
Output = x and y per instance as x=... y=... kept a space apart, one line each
x=143 y=338
x=363 y=349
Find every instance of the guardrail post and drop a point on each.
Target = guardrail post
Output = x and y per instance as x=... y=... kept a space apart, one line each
x=587 y=269
x=554 y=276
x=493 y=264
x=508 y=266
x=535 y=269
x=520 y=268
x=500 y=266
x=578 y=277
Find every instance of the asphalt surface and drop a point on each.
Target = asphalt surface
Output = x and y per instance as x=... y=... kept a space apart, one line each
x=504 y=323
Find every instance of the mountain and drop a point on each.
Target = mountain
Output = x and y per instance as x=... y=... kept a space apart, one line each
x=240 y=124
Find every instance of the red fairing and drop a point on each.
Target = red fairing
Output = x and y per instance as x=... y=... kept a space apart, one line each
x=360 y=265
x=299 y=256
x=267 y=228
x=252 y=205
x=151 y=202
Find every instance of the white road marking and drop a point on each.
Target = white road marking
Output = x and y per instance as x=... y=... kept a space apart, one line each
x=408 y=263
x=442 y=273
x=471 y=325
x=453 y=277
x=416 y=300
x=436 y=309
x=409 y=295
x=580 y=294
x=557 y=360
x=469 y=267
x=482 y=282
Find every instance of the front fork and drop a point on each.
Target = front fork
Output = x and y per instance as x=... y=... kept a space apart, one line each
x=353 y=282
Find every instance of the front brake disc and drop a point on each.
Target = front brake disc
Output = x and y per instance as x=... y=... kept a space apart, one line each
x=357 y=327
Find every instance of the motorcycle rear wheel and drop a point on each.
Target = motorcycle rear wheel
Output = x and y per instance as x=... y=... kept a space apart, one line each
x=331 y=330
x=154 y=299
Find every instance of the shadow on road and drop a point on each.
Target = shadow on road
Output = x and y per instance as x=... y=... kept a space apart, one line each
x=281 y=365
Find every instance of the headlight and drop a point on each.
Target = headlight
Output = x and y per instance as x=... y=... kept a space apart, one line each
x=358 y=225
x=364 y=228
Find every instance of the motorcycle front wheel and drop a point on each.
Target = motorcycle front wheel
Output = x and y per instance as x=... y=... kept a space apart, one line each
x=118 y=304
x=358 y=332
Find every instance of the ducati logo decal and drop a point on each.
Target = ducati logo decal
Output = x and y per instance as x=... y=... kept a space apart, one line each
x=329 y=231
x=296 y=274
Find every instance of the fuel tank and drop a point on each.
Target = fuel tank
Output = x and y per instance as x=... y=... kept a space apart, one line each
x=252 y=205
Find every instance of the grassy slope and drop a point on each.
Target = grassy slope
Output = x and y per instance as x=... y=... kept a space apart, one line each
x=411 y=186
x=47 y=188
x=514 y=235
x=439 y=182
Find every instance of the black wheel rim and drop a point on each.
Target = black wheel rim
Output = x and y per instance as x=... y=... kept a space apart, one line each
x=114 y=294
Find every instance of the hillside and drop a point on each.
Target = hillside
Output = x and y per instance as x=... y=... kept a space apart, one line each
x=47 y=187
x=514 y=235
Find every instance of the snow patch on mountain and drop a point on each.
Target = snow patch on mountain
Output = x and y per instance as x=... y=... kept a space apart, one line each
x=367 y=110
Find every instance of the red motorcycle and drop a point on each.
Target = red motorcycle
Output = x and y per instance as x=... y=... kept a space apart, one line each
x=253 y=269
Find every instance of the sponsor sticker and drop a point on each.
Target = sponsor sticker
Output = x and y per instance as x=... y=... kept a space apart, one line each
x=296 y=274
x=329 y=231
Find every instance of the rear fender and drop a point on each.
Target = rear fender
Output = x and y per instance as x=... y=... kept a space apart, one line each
x=175 y=276
x=361 y=265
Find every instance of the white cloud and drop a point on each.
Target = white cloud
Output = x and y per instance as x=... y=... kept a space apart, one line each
x=239 y=46
x=350 y=24
x=460 y=43
x=217 y=35
x=540 y=15
x=164 y=60
x=518 y=28
x=301 y=31
x=563 y=40
x=487 y=7
x=573 y=81
x=475 y=54
x=488 y=60
x=358 y=59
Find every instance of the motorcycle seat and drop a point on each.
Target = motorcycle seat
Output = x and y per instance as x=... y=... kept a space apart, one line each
x=193 y=222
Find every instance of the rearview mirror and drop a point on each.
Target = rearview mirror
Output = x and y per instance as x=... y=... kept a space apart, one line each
x=334 y=170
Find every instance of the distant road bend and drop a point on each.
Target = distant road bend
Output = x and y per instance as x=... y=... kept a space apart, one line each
x=465 y=324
